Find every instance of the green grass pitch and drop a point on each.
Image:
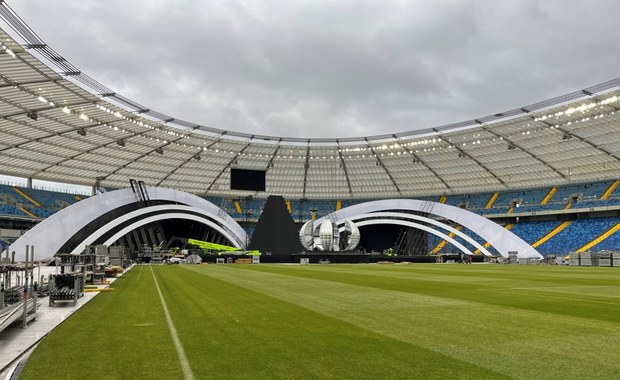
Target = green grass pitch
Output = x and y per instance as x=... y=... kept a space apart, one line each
x=424 y=321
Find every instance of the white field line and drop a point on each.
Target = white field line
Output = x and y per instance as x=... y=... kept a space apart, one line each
x=187 y=370
x=139 y=274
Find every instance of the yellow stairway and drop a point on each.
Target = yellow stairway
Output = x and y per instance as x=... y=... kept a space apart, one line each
x=552 y=233
x=288 y=206
x=599 y=239
x=20 y=192
x=444 y=242
x=610 y=190
x=77 y=197
x=492 y=200
x=27 y=212
x=237 y=206
x=547 y=197
x=338 y=204
x=443 y=199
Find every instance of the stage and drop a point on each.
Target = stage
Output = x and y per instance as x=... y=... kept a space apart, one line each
x=337 y=258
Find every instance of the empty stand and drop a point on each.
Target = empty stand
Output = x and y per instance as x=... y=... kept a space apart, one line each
x=33 y=203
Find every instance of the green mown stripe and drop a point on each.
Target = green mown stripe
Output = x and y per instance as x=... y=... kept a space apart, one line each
x=517 y=342
x=117 y=335
x=476 y=286
x=337 y=321
x=229 y=331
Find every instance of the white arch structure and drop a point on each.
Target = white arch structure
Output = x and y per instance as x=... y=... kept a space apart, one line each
x=50 y=235
x=163 y=212
x=403 y=216
x=500 y=238
x=418 y=226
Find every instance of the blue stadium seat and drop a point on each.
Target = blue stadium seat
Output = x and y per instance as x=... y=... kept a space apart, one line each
x=577 y=234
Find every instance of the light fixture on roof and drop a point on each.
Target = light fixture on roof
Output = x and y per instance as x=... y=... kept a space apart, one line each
x=81 y=131
x=120 y=142
x=159 y=150
x=566 y=136
x=42 y=99
x=197 y=156
x=10 y=52
x=32 y=115
x=66 y=110
x=511 y=146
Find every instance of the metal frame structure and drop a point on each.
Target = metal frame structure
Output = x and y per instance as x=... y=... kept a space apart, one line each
x=88 y=220
x=378 y=217
x=59 y=124
x=497 y=236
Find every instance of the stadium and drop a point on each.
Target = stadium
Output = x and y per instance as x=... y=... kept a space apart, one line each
x=530 y=195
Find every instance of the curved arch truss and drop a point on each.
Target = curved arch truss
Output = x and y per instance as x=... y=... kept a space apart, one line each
x=398 y=211
x=105 y=218
x=418 y=226
x=401 y=218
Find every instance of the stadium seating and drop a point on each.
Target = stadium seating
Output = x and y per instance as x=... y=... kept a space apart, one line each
x=577 y=234
x=611 y=243
x=505 y=198
x=7 y=193
x=10 y=210
x=492 y=210
x=531 y=232
x=468 y=201
x=597 y=203
x=49 y=201
x=40 y=212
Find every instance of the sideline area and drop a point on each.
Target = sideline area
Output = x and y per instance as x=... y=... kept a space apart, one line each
x=16 y=343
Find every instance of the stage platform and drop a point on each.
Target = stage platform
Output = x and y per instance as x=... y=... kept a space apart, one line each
x=337 y=258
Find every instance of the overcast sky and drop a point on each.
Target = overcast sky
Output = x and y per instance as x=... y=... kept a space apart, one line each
x=333 y=68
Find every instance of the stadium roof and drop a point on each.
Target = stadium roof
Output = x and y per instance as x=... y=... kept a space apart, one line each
x=59 y=124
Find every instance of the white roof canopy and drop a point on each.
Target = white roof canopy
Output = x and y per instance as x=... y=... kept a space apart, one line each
x=59 y=124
